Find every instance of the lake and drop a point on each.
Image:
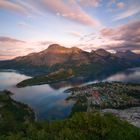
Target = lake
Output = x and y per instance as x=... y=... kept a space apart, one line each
x=48 y=101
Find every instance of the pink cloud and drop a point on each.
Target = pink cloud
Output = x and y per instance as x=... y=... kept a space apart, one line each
x=128 y=35
x=44 y=43
x=10 y=40
x=123 y=37
x=132 y=10
x=125 y=32
x=75 y=34
x=25 y=25
x=71 y=11
x=12 y=47
x=28 y=8
x=111 y=2
x=12 y=7
x=120 y=5
x=89 y=3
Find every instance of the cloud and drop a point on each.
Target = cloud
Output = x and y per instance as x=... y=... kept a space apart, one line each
x=114 y=6
x=71 y=11
x=120 y=5
x=75 y=34
x=132 y=10
x=44 y=43
x=27 y=8
x=111 y=2
x=128 y=31
x=31 y=7
x=10 y=40
x=89 y=3
x=123 y=37
x=25 y=25
x=11 y=47
x=128 y=35
x=4 y=4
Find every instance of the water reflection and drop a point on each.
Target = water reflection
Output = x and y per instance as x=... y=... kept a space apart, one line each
x=130 y=75
x=10 y=78
x=48 y=101
x=66 y=84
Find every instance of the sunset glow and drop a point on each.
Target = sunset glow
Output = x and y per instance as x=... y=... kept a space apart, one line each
x=28 y=26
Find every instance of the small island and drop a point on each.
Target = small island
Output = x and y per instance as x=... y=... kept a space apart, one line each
x=60 y=75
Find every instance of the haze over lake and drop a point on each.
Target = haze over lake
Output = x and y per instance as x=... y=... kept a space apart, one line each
x=48 y=101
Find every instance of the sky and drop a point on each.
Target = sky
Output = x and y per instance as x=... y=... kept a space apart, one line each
x=28 y=26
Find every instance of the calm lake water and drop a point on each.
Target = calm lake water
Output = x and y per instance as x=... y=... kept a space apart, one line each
x=48 y=101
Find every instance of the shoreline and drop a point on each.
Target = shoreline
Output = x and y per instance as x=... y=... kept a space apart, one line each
x=9 y=103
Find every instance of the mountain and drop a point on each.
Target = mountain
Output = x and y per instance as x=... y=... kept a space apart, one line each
x=129 y=55
x=55 y=54
x=83 y=64
x=102 y=53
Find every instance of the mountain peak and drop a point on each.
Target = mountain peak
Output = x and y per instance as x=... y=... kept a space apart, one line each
x=128 y=54
x=102 y=52
x=54 y=46
x=57 y=46
x=76 y=49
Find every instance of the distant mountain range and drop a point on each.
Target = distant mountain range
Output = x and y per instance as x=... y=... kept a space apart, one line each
x=82 y=63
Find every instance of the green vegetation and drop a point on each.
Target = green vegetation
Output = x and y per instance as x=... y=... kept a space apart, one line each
x=47 y=79
x=17 y=123
x=85 y=72
x=12 y=113
x=81 y=126
x=66 y=71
